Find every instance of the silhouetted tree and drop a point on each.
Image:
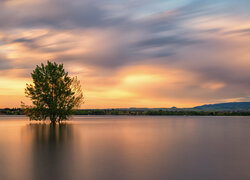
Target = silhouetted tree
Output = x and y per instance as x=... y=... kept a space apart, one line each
x=53 y=93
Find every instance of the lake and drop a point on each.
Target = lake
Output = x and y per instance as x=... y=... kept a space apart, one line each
x=126 y=148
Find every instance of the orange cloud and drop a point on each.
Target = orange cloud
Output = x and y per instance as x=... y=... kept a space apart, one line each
x=173 y=57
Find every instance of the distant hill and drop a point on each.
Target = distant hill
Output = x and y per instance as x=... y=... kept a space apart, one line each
x=232 y=106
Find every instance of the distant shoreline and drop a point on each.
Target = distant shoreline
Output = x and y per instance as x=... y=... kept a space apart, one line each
x=143 y=115
x=220 y=109
x=140 y=112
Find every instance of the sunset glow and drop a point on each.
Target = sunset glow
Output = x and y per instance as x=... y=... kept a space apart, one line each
x=130 y=53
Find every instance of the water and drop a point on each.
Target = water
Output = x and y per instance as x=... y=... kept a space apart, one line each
x=126 y=148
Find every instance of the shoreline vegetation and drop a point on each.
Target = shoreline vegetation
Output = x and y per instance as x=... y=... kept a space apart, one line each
x=142 y=111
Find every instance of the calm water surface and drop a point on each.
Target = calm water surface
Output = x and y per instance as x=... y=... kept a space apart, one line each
x=126 y=148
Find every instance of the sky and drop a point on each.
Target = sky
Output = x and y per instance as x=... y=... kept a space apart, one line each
x=134 y=53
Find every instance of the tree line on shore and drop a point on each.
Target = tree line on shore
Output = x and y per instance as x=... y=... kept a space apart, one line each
x=150 y=112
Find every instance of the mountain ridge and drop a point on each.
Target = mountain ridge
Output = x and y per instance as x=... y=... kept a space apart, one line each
x=230 y=106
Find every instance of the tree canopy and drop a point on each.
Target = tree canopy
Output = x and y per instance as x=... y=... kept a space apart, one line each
x=53 y=93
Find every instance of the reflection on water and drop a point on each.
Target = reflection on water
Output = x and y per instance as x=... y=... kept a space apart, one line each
x=51 y=149
x=125 y=148
x=49 y=134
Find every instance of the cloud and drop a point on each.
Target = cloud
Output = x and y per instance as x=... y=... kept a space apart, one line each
x=197 y=37
x=240 y=32
x=163 y=41
x=4 y=63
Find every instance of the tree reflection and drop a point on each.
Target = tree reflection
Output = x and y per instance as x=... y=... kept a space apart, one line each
x=52 y=149
x=50 y=133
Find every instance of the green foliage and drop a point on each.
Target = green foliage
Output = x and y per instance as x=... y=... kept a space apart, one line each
x=53 y=93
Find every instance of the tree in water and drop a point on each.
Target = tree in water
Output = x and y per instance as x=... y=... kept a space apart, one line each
x=54 y=94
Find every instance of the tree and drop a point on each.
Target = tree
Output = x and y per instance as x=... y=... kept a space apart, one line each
x=54 y=94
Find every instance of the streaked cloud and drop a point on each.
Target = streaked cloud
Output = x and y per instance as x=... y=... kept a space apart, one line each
x=131 y=53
